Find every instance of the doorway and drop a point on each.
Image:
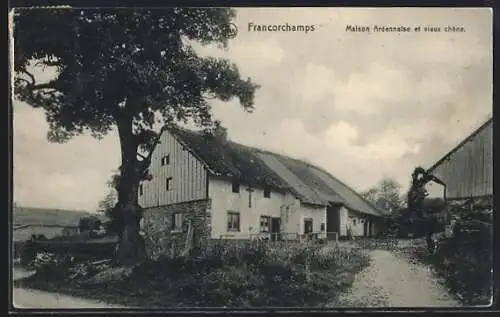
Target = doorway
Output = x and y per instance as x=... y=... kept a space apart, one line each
x=366 y=228
x=308 y=225
x=275 y=229
x=333 y=222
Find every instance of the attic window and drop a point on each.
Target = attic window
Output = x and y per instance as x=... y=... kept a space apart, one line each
x=267 y=192
x=236 y=186
x=165 y=160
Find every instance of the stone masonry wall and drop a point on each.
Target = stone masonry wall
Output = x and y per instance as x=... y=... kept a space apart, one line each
x=157 y=227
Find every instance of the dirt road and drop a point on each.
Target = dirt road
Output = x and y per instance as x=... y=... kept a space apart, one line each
x=35 y=299
x=392 y=281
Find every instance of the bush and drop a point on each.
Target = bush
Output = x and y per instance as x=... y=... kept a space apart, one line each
x=50 y=266
x=89 y=223
x=249 y=274
x=464 y=260
x=256 y=274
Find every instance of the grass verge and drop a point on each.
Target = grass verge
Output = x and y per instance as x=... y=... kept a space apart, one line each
x=465 y=269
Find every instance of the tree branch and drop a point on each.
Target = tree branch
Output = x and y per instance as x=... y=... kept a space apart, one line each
x=49 y=85
x=30 y=75
x=146 y=159
x=32 y=84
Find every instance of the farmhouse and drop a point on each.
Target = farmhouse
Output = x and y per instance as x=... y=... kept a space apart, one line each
x=467 y=170
x=232 y=191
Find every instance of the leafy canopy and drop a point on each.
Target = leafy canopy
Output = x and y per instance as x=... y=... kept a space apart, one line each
x=130 y=68
x=386 y=195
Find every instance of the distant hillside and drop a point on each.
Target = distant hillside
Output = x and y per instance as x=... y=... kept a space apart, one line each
x=43 y=216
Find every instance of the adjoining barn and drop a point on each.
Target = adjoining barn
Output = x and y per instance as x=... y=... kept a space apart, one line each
x=467 y=170
x=232 y=191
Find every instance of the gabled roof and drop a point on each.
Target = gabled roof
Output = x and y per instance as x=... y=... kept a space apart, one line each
x=458 y=146
x=253 y=166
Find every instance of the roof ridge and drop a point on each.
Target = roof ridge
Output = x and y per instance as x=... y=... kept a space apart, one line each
x=311 y=165
x=461 y=143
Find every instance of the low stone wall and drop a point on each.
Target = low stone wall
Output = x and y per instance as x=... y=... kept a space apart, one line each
x=157 y=227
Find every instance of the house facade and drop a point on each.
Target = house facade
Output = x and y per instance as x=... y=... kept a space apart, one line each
x=231 y=191
x=467 y=170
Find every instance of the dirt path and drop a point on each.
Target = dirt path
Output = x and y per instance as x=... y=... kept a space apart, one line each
x=391 y=281
x=35 y=299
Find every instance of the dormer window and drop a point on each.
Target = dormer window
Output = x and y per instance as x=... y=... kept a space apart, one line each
x=165 y=160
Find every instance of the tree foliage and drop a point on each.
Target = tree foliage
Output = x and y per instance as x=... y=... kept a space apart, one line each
x=89 y=223
x=124 y=65
x=107 y=204
x=385 y=195
x=126 y=69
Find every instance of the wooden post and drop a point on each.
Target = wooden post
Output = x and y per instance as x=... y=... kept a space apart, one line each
x=249 y=190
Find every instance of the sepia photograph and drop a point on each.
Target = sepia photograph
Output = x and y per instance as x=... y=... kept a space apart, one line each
x=249 y=158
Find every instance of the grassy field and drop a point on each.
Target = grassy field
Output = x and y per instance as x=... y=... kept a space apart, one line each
x=249 y=275
x=44 y=216
x=42 y=221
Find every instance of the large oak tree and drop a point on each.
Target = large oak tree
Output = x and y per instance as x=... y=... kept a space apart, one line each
x=130 y=70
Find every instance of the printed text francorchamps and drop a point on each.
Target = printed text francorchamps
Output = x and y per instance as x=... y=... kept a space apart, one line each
x=285 y=27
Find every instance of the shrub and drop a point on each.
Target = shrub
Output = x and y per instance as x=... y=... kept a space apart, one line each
x=259 y=274
x=249 y=274
x=464 y=260
x=51 y=266
x=89 y=223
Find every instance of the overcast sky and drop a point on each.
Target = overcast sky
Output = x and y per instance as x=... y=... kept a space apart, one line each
x=362 y=105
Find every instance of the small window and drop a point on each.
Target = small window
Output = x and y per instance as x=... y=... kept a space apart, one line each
x=140 y=190
x=236 y=186
x=233 y=221
x=165 y=160
x=177 y=219
x=354 y=222
x=322 y=227
x=265 y=223
x=267 y=192
x=308 y=225
x=168 y=183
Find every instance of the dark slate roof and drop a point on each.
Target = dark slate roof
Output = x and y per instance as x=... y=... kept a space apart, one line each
x=253 y=166
x=228 y=159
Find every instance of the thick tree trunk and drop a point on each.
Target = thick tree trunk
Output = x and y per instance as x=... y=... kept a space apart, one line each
x=130 y=249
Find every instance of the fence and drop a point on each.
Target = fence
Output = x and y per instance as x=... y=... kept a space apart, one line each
x=49 y=231
x=315 y=237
